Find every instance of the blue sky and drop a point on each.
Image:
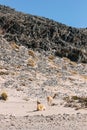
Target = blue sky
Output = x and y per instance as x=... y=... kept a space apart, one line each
x=69 y=12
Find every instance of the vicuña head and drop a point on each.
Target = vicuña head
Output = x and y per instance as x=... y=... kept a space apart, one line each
x=40 y=107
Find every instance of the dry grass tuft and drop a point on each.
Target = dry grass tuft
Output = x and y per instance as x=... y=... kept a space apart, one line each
x=14 y=46
x=66 y=59
x=31 y=63
x=73 y=72
x=76 y=102
x=51 y=57
x=4 y=73
x=84 y=77
x=73 y=63
x=4 y=96
x=31 y=53
x=74 y=97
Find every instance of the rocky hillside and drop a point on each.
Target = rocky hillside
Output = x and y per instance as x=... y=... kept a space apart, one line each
x=43 y=34
x=41 y=58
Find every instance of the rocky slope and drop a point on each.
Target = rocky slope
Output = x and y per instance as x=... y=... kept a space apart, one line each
x=27 y=76
x=43 y=34
x=38 y=58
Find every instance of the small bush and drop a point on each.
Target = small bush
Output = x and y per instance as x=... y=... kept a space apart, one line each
x=76 y=102
x=14 y=46
x=4 y=96
x=31 y=63
x=31 y=52
x=4 y=73
x=75 y=98
x=51 y=57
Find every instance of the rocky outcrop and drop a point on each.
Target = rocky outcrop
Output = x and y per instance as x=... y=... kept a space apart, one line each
x=43 y=34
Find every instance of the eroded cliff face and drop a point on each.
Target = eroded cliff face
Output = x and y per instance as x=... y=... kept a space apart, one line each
x=43 y=34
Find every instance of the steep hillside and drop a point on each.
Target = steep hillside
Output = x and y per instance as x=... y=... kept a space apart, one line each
x=41 y=58
x=43 y=34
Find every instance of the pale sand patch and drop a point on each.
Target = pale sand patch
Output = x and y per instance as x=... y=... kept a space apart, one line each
x=16 y=106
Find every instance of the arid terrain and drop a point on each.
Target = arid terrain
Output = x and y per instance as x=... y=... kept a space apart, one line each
x=40 y=58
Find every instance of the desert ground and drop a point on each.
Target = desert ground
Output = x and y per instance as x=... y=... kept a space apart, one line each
x=27 y=76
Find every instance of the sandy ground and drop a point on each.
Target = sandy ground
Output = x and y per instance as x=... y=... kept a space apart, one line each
x=20 y=107
x=19 y=114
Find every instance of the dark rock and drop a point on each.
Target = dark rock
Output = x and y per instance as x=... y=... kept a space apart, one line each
x=42 y=34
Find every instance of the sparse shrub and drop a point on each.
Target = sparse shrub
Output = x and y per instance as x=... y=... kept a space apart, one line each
x=14 y=46
x=75 y=98
x=67 y=99
x=66 y=59
x=51 y=57
x=84 y=76
x=72 y=63
x=76 y=102
x=31 y=52
x=18 y=66
x=31 y=63
x=73 y=72
x=3 y=73
x=19 y=89
x=4 y=96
